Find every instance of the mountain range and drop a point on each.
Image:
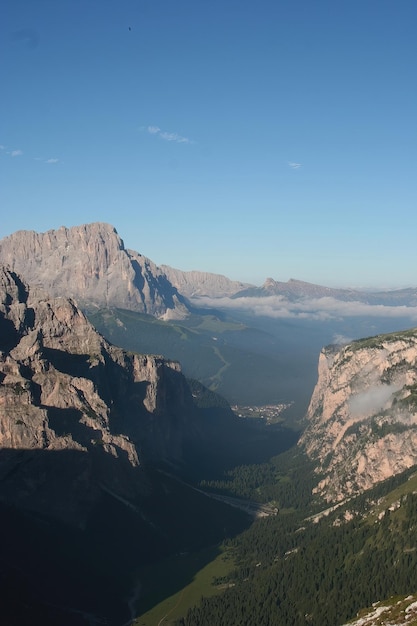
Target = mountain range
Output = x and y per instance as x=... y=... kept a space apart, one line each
x=102 y=448
x=297 y=289
x=91 y=264
x=254 y=345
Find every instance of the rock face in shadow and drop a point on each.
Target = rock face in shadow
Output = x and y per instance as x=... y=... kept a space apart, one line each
x=90 y=264
x=362 y=418
x=89 y=438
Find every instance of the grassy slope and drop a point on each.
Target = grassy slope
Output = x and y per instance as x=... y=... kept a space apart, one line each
x=202 y=567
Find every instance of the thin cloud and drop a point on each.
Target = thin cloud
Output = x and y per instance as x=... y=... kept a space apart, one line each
x=166 y=136
x=18 y=152
x=174 y=137
x=294 y=166
x=341 y=340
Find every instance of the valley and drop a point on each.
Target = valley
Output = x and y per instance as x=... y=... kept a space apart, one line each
x=193 y=465
x=208 y=313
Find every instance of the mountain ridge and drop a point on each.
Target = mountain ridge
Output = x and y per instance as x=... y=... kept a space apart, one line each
x=295 y=289
x=195 y=283
x=91 y=264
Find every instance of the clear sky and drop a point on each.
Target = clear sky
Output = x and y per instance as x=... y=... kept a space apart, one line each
x=253 y=139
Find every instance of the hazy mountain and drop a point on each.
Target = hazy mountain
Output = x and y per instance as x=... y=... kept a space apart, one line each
x=91 y=264
x=362 y=418
x=195 y=283
x=298 y=289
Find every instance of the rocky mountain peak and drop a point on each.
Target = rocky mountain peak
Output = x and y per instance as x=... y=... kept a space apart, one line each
x=91 y=264
x=269 y=283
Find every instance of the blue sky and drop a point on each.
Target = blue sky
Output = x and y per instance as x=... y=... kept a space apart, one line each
x=276 y=138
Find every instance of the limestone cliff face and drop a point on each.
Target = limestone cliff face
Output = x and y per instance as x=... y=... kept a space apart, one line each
x=63 y=387
x=90 y=263
x=362 y=418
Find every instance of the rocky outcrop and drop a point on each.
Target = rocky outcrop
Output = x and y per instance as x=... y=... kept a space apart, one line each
x=197 y=284
x=393 y=612
x=90 y=264
x=63 y=387
x=362 y=418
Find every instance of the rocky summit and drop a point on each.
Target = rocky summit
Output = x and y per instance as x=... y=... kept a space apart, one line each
x=362 y=418
x=90 y=264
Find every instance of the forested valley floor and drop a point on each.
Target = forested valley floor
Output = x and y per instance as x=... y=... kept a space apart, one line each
x=298 y=567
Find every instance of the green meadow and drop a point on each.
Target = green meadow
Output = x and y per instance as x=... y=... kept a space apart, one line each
x=194 y=575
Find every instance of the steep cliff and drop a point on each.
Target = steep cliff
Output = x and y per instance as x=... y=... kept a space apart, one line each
x=362 y=418
x=63 y=387
x=90 y=263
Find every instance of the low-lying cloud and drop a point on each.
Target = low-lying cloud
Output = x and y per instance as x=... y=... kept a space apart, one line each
x=372 y=400
x=321 y=309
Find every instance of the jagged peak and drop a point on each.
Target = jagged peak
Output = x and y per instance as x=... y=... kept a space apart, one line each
x=269 y=282
x=103 y=227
